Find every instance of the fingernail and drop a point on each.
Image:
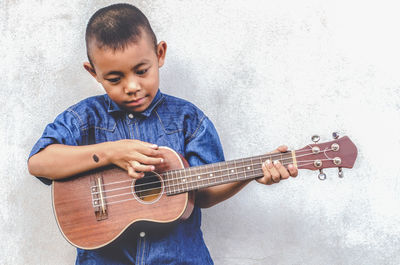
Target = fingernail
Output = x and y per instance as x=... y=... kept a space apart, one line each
x=162 y=160
x=153 y=167
x=267 y=161
x=276 y=162
x=290 y=166
x=154 y=146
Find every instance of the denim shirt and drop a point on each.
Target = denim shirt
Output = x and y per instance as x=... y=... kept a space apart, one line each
x=168 y=121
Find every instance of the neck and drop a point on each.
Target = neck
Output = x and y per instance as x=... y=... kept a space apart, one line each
x=193 y=178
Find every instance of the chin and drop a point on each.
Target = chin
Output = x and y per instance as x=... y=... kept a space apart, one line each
x=138 y=109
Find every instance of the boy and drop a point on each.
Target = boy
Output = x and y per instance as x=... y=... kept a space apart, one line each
x=125 y=58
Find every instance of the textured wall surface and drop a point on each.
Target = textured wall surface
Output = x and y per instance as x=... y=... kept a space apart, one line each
x=267 y=73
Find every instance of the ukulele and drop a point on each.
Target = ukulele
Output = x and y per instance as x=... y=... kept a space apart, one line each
x=94 y=208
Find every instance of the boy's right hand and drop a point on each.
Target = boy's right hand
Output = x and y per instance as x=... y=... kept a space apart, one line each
x=135 y=156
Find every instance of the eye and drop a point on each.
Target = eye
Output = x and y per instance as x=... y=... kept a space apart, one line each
x=141 y=72
x=113 y=80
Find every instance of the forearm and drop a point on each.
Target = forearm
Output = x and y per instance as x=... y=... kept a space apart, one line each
x=208 y=197
x=59 y=161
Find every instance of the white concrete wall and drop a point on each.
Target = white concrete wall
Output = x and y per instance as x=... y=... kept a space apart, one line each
x=267 y=73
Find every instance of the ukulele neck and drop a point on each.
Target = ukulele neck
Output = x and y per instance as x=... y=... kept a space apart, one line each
x=193 y=178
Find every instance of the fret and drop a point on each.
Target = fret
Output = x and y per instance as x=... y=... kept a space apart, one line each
x=201 y=177
x=174 y=182
x=261 y=158
x=253 y=172
x=178 y=181
x=258 y=166
x=193 y=179
x=211 y=174
x=205 y=177
x=247 y=168
x=225 y=175
x=289 y=158
x=218 y=174
x=240 y=170
x=234 y=171
x=244 y=168
x=165 y=183
x=188 y=177
x=175 y=187
x=199 y=182
x=185 y=179
x=171 y=182
x=182 y=179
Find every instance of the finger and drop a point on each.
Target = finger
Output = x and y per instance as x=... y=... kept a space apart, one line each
x=145 y=149
x=266 y=179
x=136 y=173
x=279 y=149
x=142 y=168
x=282 y=148
x=292 y=170
x=149 y=151
x=284 y=174
x=133 y=174
x=146 y=144
x=275 y=175
x=147 y=160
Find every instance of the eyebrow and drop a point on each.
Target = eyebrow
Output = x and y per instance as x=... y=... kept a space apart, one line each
x=113 y=72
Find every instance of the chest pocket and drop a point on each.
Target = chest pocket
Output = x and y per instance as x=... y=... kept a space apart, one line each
x=101 y=132
x=165 y=131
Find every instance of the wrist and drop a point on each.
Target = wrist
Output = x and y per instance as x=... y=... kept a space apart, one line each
x=105 y=153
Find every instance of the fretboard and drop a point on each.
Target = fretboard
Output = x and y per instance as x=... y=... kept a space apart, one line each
x=193 y=178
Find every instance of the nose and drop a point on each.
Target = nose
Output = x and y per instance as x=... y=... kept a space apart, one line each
x=132 y=86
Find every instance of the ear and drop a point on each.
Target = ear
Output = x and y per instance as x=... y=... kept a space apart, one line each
x=88 y=67
x=161 y=51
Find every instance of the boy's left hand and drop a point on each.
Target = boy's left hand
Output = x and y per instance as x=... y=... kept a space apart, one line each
x=274 y=171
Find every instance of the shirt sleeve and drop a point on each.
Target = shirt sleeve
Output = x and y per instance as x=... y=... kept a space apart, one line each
x=64 y=130
x=204 y=146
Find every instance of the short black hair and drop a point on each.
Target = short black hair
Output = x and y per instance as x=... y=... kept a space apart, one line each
x=116 y=26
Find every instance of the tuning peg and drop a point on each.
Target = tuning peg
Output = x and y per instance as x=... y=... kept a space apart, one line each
x=335 y=135
x=340 y=173
x=321 y=175
x=315 y=138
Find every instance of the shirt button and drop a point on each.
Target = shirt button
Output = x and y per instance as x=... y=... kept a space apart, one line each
x=142 y=234
x=130 y=115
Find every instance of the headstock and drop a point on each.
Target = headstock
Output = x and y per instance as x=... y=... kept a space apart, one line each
x=340 y=153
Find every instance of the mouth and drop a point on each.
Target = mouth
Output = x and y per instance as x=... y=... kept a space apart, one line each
x=135 y=102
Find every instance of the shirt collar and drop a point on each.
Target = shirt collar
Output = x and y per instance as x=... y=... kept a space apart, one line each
x=113 y=107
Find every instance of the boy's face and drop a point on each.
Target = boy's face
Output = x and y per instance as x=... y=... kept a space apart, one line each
x=129 y=76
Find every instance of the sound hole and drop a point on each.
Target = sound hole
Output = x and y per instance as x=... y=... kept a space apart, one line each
x=148 y=189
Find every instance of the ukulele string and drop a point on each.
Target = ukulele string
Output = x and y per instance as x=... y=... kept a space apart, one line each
x=244 y=160
x=246 y=176
x=158 y=194
x=255 y=166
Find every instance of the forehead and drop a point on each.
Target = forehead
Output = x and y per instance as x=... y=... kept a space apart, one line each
x=104 y=58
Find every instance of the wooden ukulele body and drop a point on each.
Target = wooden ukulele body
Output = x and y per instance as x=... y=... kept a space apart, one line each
x=90 y=217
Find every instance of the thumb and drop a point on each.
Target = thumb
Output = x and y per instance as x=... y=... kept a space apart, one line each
x=282 y=148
